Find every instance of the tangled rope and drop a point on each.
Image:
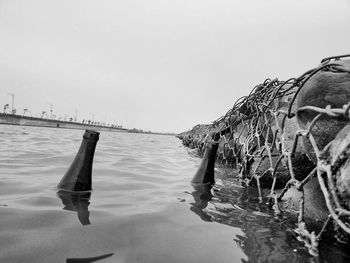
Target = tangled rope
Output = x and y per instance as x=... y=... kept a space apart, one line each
x=261 y=135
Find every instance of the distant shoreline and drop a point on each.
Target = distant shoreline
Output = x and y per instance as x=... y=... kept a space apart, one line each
x=13 y=119
x=20 y=120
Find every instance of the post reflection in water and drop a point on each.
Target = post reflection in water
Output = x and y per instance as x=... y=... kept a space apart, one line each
x=202 y=195
x=267 y=237
x=78 y=202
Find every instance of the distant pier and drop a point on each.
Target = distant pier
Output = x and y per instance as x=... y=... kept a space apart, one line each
x=13 y=119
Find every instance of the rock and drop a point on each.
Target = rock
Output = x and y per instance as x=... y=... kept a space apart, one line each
x=315 y=208
x=337 y=154
x=301 y=164
x=326 y=87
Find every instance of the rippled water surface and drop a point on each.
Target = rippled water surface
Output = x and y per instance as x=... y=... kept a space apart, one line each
x=142 y=208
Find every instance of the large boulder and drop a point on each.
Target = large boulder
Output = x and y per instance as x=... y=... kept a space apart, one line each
x=329 y=87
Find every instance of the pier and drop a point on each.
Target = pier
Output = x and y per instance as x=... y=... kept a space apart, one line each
x=13 y=119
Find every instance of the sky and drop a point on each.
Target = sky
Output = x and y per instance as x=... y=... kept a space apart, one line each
x=159 y=65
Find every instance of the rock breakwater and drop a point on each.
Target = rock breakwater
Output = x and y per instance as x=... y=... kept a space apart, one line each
x=292 y=137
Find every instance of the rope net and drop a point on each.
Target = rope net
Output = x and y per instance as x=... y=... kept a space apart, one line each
x=282 y=136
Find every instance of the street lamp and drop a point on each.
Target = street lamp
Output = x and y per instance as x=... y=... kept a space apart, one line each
x=13 y=101
x=50 y=109
x=6 y=106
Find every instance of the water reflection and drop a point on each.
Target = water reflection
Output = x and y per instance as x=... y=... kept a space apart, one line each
x=267 y=237
x=78 y=202
x=202 y=195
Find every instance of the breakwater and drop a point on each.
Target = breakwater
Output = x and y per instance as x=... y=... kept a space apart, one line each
x=12 y=119
x=293 y=139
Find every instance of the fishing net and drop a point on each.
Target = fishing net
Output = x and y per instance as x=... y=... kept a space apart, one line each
x=282 y=136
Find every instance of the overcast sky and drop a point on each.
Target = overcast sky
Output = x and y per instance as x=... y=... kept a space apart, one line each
x=160 y=65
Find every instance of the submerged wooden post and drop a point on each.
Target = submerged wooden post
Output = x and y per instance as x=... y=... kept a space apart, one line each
x=78 y=176
x=205 y=172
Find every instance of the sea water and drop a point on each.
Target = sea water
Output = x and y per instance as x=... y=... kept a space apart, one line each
x=142 y=207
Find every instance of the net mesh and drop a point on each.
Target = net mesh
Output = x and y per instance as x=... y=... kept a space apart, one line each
x=263 y=137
